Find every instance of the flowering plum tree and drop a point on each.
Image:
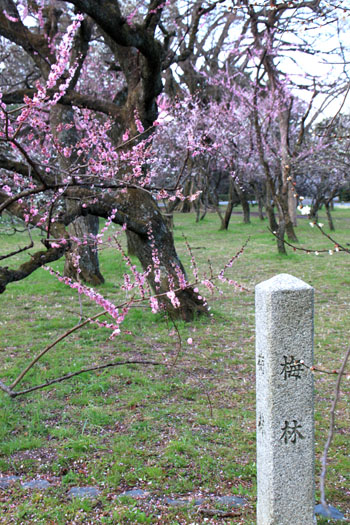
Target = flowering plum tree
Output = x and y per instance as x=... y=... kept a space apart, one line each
x=73 y=148
x=76 y=145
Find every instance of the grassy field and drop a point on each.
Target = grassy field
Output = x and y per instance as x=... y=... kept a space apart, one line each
x=183 y=430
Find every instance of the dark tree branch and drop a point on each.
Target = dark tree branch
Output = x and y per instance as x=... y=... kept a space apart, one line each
x=70 y=98
x=9 y=164
x=20 y=250
x=331 y=431
x=107 y=15
x=9 y=203
x=34 y=44
x=73 y=374
x=36 y=261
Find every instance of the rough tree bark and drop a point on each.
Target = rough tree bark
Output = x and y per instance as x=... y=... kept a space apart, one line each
x=232 y=202
x=244 y=202
x=259 y=199
x=328 y=206
x=288 y=202
x=82 y=257
x=161 y=238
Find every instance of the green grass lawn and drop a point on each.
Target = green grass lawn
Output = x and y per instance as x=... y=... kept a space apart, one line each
x=182 y=430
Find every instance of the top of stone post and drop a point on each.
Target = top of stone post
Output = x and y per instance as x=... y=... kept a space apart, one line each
x=283 y=281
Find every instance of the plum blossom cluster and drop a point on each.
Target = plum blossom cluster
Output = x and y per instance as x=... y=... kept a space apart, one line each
x=94 y=158
x=63 y=55
x=173 y=298
x=139 y=282
x=61 y=73
x=224 y=279
x=304 y=210
x=110 y=309
x=136 y=282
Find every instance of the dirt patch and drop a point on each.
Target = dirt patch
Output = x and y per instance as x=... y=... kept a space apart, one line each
x=43 y=455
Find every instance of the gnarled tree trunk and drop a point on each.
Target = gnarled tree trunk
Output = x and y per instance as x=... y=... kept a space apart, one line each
x=242 y=195
x=329 y=216
x=150 y=234
x=82 y=256
x=259 y=200
x=232 y=201
x=270 y=208
x=82 y=259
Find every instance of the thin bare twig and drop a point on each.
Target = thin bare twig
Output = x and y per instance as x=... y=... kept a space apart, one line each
x=331 y=432
x=20 y=250
x=73 y=374
x=210 y=403
x=5 y=388
x=308 y=250
x=339 y=246
x=329 y=126
x=321 y=370
x=179 y=339
x=48 y=347
x=220 y=513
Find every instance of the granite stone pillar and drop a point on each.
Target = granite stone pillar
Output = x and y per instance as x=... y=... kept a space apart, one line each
x=285 y=404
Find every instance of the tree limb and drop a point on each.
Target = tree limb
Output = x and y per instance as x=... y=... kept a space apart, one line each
x=20 y=250
x=331 y=431
x=70 y=98
x=73 y=374
x=34 y=44
x=37 y=260
x=107 y=15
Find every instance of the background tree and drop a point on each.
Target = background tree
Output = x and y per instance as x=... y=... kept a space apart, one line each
x=323 y=172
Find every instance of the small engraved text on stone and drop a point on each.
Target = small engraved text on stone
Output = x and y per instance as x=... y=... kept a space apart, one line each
x=292 y=367
x=261 y=363
x=291 y=432
x=261 y=423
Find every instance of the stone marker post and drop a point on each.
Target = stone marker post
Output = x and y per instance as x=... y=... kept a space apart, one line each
x=284 y=399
